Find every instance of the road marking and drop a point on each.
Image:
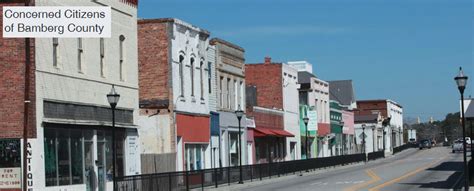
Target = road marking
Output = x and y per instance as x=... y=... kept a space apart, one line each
x=373 y=176
x=416 y=171
x=316 y=183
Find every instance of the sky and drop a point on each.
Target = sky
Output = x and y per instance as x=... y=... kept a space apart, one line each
x=408 y=51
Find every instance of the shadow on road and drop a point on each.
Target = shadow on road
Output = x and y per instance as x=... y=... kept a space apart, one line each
x=449 y=182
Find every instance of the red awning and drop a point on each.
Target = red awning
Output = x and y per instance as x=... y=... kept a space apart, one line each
x=283 y=133
x=262 y=132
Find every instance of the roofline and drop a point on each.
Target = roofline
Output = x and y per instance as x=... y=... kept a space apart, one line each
x=213 y=41
x=176 y=21
x=381 y=100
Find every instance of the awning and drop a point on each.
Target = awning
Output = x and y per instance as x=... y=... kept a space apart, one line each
x=282 y=133
x=263 y=132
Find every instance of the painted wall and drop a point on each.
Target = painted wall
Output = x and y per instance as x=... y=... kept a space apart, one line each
x=291 y=109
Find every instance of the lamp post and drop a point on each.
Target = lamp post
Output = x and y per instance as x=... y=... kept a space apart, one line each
x=385 y=123
x=239 y=113
x=363 y=136
x=342 y=137
x=306 y=120
x=113 y=98
x=461 y=81
x=373 y=138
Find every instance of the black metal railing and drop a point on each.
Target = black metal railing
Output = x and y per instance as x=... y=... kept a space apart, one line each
x=375 y=155
x=187 y=180
x=403 y=147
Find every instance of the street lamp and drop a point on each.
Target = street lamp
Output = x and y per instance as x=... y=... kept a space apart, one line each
x=113 y=98
x=461 y=81
x=306 y=120
x=363 y=136
x=342 y=137
x=239 y=113
x=373 y=138
x=385 y=123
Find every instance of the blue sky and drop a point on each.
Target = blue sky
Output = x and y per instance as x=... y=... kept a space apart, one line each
x=405 y=50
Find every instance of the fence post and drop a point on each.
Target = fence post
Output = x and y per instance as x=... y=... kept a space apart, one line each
x=187 y=180
x=215 y=176
x=278 y=169
x=251 y=173
x=202 y=179
x=260 y=170
x=170 y=182
x=228 y=175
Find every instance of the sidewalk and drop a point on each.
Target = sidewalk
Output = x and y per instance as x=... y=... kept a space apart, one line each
x=274 y=179
x=247 y=184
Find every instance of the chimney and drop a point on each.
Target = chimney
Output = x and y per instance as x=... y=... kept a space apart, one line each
x=268 y=60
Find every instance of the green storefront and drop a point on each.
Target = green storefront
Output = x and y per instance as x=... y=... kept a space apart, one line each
x=335 y=144
x=307 y=111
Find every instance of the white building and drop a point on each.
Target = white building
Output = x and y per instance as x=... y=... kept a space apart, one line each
x=73 y=149
x=291 y=108
x=230 y=92
x=174 y=94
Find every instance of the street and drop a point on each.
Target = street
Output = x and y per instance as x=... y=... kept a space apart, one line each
x=413 y=169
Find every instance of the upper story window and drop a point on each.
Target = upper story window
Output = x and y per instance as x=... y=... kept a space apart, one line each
x=209 y=78
x=192 y=76
x=102 y=56
x=221 y=93
x=122 y=59
x=228 y=94
x=181 y=75
x=55 y=52
x=80 y=52
x=201 y=72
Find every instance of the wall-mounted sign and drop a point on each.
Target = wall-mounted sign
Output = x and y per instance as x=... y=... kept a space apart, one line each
x=10 y=163
x=250 y=123
x=313 y=121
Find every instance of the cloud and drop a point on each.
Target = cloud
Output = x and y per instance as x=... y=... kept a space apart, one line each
x=282 y=30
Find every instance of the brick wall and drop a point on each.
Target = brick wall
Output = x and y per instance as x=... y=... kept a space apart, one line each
x=12 y=85
x=268 y=80
x=153 y=62
x=266 y=119
x=367 y=107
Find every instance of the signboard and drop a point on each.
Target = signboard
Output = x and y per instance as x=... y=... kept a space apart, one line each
x=250 y=123
x=10 y=178
x=313 y=121
x=10 y=163
x=56 y=21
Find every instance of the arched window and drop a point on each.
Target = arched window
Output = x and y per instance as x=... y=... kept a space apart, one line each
x=121 y=62
x=192 y=76
x=201 y=71
x=181 y=75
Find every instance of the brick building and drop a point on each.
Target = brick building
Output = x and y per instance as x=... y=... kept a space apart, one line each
x=70 y=145
x=174 y=95
x=387 y=109
x=277 y=89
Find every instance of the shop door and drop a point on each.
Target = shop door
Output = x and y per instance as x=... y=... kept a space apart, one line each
x=91 y=176
x=101 y=179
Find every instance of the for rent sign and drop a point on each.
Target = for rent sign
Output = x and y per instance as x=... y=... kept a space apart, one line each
x=10 y=163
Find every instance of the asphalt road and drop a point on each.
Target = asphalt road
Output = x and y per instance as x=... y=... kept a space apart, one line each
x=413 y=169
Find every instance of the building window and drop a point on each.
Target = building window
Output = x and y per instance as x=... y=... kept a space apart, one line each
x=121 y=62
x=228 y=94
x=63 y=157
x=194 y=156
x=181 y=75
x=236 y=103
x=201 y=72
x=209 y=68
x=102 y=55
x=55 y=52
x=241 y=94
x=192 y=76
x=69 y=155
x=80 y=52
x=221 y=93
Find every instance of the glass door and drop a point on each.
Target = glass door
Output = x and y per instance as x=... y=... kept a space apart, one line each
x=89 y=166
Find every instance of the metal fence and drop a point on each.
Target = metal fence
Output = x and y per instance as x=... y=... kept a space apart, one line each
x=403 y=147
x=187 y=180
x=375 y=155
